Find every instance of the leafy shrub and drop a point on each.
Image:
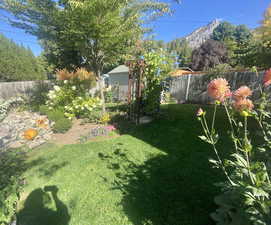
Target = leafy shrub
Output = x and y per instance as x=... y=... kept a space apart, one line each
x=95 y=115
x=55 y=115
x=62 y=125
x=44 y=110
x=245 y=197
x=11 y=167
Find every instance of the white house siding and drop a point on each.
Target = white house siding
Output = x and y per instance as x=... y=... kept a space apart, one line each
x=120 y=80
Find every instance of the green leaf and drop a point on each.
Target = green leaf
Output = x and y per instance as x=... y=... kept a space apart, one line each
x=205 y=139
x=241 y=162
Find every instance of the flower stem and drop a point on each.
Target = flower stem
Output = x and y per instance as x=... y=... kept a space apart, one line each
x=214 y=116
x=210 y=137
x=246 y=151
x=222 y=165
x=232 y=128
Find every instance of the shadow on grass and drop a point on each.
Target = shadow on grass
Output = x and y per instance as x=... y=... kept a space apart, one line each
x=43 y=207
x=50 y=170
x=13 y=164
x=175 y=188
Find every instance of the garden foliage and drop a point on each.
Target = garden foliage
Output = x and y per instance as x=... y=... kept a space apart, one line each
x=61 y=123
x=208 y=55
x=72 y=94
x=245 y=197
x=158 y=66
x=18 y=63
x=11 y=167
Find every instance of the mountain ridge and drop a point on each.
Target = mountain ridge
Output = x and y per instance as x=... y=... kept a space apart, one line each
x=202 y=34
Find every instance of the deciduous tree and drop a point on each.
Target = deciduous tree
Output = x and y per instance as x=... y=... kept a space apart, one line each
x=208 y=55
x=91 y=32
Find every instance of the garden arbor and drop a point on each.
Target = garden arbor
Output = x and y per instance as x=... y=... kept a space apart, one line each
x=135 y=88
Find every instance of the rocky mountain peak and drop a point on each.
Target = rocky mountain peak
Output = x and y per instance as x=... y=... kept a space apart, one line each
x=202 y=34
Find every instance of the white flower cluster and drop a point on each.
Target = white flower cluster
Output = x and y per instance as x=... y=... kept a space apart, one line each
x=6 y=105
x=80 y=106
x=53 y=93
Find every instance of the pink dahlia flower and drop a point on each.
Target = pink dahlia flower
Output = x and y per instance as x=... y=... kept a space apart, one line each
x=243 y=105
x=242 y=93
x=219 y=89
x=267 y=78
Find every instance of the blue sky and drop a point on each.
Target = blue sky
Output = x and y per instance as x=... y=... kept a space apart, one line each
x=188 y=16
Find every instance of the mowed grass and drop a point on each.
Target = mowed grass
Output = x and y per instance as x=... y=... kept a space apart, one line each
x=154 y=174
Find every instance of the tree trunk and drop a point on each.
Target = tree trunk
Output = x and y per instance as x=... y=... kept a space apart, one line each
x=100 y=82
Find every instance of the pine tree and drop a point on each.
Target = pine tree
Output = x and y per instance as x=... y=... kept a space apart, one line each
x=18 y=63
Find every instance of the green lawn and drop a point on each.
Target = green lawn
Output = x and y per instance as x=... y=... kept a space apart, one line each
x=154 y=174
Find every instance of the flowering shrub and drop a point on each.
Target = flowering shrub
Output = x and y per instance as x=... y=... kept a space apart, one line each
x=245 y=198
x=81 y=107
x=105 y=118
x=72 y=93
x=5 y=106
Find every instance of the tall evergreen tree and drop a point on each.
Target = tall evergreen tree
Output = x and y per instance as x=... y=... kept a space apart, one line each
x=18 y=63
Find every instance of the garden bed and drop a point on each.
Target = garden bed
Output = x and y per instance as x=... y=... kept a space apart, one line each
x=81 y=132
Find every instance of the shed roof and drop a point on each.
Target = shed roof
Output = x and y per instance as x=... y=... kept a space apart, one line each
x=180 y=72
x=119 y=69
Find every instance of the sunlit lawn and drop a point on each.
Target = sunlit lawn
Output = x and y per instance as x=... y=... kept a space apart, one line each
x=154 y=174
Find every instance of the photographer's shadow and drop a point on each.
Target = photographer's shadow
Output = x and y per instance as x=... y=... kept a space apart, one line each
x=43 y=207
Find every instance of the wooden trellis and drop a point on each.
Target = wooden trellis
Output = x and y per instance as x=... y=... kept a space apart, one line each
x=135 y=89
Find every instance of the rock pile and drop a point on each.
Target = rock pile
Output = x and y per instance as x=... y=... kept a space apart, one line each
x=13 y=130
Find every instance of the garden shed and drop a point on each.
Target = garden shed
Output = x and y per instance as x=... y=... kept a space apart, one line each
x=118 y=78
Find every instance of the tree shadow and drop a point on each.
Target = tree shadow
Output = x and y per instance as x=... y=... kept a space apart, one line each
x=43 y=207
x=50 y=170
x=176 y=187
x=167 y=190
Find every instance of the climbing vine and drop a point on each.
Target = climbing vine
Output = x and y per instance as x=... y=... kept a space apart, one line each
x=158 y=66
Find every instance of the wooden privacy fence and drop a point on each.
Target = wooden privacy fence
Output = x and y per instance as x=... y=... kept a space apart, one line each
x=18 y=88
x=25 y=88
x=193 y=88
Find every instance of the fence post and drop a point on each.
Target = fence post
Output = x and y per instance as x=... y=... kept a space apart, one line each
x=187 y=88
